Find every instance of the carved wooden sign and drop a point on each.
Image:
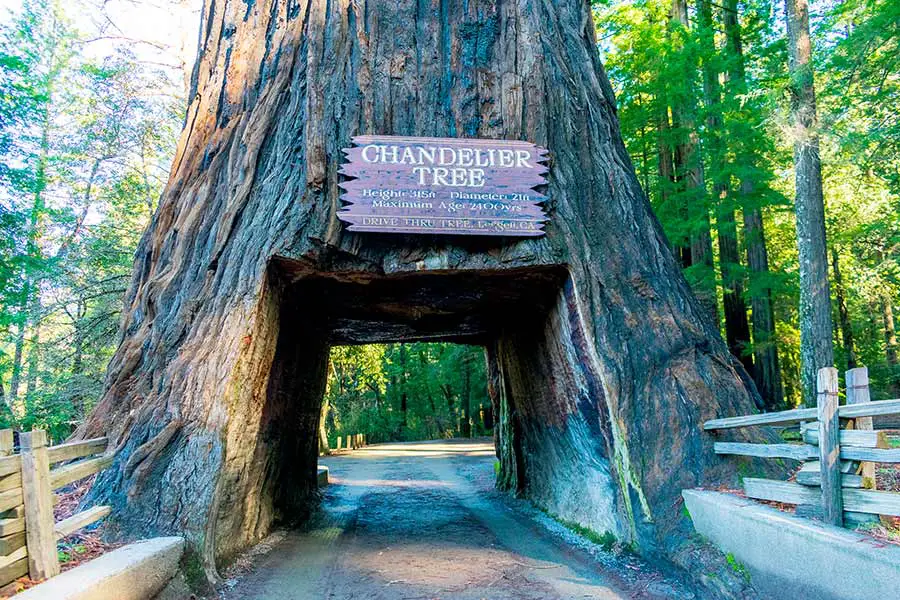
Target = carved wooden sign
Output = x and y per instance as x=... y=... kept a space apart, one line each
x=443 y=186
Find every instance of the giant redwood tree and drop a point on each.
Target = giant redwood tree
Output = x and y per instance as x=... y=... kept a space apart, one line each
x=603 y=364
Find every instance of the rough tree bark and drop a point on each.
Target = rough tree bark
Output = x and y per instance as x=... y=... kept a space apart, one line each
x=603 y=364
x=816 y=345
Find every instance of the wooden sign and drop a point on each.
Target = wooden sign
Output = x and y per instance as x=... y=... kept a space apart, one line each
x=444 y=186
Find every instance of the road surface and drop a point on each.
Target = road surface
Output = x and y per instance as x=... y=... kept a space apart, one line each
x=421 y=521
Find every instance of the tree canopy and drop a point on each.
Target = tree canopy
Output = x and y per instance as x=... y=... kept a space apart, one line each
x=728 y=63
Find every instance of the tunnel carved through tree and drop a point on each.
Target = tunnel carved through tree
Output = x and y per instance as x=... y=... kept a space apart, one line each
x=602 y=363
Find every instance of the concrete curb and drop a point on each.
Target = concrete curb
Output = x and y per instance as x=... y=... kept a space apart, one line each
x=793 y=557
x=134 y=572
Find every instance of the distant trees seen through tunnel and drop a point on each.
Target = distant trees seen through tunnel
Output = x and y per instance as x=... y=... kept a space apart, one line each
x=399 y=392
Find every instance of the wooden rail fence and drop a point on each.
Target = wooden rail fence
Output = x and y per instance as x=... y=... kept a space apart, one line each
x=28 y=530
x=837 y=478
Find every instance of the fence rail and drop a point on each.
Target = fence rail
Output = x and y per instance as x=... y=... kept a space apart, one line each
x=28 y=531
x=837 y=479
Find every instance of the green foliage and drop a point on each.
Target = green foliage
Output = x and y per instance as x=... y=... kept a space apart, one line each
x=606 y=540
x=399 y=392
x=656 y=66
x=737 y=567
x=86 y=139
x=191 y=567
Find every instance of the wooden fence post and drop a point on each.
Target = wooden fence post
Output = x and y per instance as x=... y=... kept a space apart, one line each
x=7 y=445
x=43 y=561
x=340 y=441
x=829 y=446
x=7 y=442
x=858 y=393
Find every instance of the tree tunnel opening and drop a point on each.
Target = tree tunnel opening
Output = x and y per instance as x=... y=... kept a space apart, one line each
x=486 y=311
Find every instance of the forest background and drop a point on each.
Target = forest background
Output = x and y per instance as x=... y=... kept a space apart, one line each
x=92 y=101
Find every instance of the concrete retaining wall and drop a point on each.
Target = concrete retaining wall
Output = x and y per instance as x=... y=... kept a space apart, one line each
x=793 y=557
x=134 y=572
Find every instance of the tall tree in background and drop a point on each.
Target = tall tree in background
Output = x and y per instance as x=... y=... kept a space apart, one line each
x=766 y=368
x=690 y=184
x=36 y=50
x=737 y=325
x=892 y=352
x=816 y=345
x=85 y=144
x=840 y=297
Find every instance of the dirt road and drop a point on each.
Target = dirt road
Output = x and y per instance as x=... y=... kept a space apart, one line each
x=422 y=521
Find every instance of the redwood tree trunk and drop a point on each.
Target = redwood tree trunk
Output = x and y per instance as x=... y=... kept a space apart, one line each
x=603 y=363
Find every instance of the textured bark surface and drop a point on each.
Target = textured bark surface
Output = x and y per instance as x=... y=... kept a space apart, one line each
x=602 y=363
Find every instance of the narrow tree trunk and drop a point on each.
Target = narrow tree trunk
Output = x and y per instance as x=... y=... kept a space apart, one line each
x=816 y=345
x=691 y=184
x=324 y=447
x=403 y=398
x=666 y=170
x=737 y=326
x=34 y=353
x=667 y=164
x=891 y=351
x=766 y=366
x=846 y=328
x=18 y=357
x=78 y=359
x=467 y=398
x=767 y=369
